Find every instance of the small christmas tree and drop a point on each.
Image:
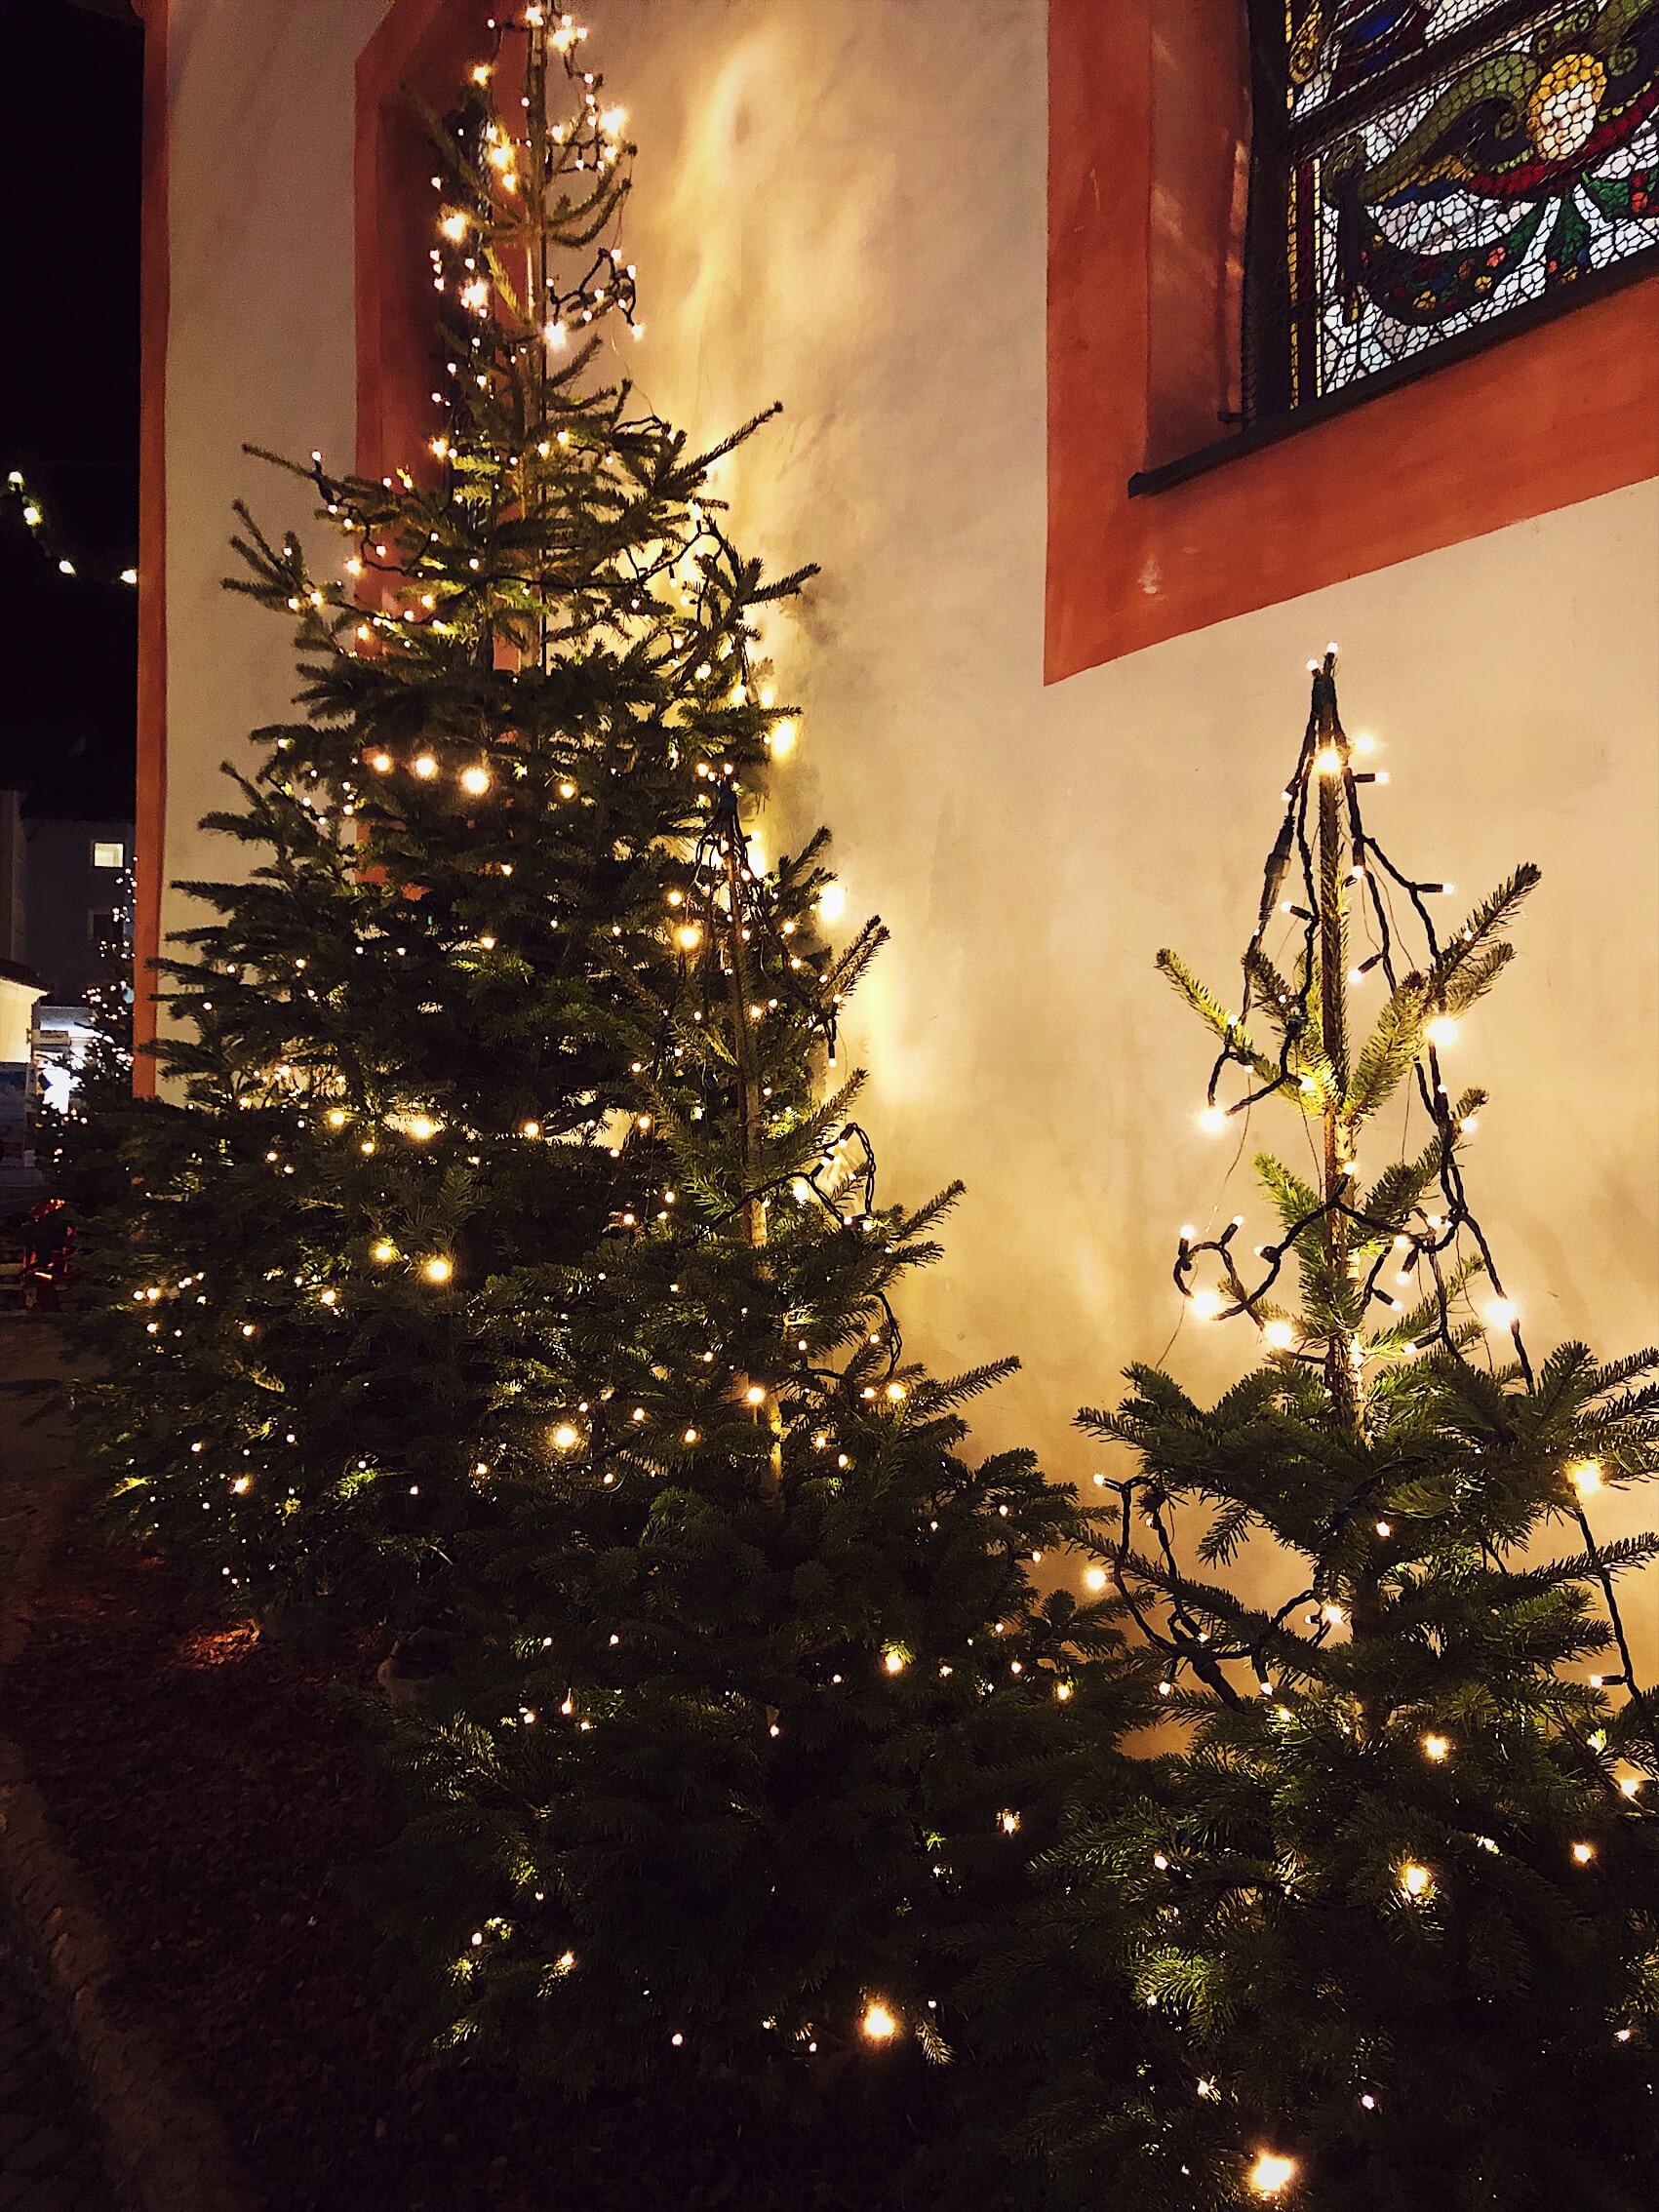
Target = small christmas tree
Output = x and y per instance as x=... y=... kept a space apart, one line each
x=1396 y=1907
x=763 y=1713
x=405 y=1042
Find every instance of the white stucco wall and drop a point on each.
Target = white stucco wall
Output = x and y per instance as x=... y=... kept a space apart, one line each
x=260 y=351
x=843 y=207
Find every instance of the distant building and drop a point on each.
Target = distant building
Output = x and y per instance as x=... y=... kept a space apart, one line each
x=66 y=898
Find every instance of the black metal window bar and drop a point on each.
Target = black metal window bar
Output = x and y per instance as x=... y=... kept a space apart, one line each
x=1427 y=173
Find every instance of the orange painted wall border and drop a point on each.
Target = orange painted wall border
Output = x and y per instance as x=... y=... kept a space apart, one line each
x=149 y=828
x=1554 y=414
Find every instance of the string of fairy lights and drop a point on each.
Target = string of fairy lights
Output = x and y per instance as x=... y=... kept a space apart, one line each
x=395 y=599
x=1427 y=995
x=49 y=539
x=723 y=923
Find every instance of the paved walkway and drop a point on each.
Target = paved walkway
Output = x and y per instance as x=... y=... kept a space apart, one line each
x=50 y=2155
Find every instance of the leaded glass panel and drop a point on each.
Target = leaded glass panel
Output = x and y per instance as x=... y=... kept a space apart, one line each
x=1424 y=168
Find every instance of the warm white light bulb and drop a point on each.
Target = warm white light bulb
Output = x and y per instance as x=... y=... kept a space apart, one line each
x=832 y=902
x=1501 y=1313
x=1441 y=1029
x=476 y=780
x=1271 y=2174
x=782 y=741
x=1212 y=1119
x=1094 y=1578
x=565 y=1436
x=1206 y=1304
x=879 y=2023
x=1414 y=1879
x=425 y=767
x=1586 y=1476
x=1280 y=1336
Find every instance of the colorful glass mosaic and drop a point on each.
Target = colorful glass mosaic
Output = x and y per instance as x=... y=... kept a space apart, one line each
x=1439 y=165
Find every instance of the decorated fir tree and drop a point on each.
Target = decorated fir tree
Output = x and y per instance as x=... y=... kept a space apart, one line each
x=404 y=1044
x=761 y=1714
x=1396 y=1909
x=509 y=1267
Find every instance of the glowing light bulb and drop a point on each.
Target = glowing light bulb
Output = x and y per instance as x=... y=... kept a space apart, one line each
x=555 y=333
x=1271 y=2174
x=1328 y=761
x=1586 y=1476
x=892 y=1659
x=1436 y=1747
x=1582 y=1853
x=425 y=767
x=690 y=1436
x=782 y=741
x=832 y=901
x=754 y=1394
x=337 y=1117
x=383 y=1249
x=1501 y=1313
x=688 y=936
x=476 y=780
x=1280 y=1336
x=1212 y=1119
x=879 y=2023
x=1441 y=1029
x=453 y=227
x=243 y=1484
x=1206 y=1304
x=530 y=1129
x=422 y=1126
x=1009 y=1822
x=1415 y=1881
x=437 y=1268
x=565 y=1437
x=1094 y=1578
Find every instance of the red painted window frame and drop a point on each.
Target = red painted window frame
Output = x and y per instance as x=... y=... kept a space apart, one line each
x=1144 y=101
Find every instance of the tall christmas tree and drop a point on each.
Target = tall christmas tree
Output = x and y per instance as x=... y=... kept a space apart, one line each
x=405 y=1040
x=1396 y=1906
x=513 y=1270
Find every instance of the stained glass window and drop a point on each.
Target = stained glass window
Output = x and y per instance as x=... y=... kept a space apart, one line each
x=1424 y=168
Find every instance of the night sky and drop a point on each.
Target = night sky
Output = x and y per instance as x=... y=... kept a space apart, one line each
x=69 y=165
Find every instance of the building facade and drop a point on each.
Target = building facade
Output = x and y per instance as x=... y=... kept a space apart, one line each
x=1129 y=352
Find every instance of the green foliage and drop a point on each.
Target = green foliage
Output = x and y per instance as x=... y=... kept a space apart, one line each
x=505 y=1274
x=1392 y=1906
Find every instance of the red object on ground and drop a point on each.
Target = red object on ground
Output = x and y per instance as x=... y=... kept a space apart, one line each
x=48 y=1254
